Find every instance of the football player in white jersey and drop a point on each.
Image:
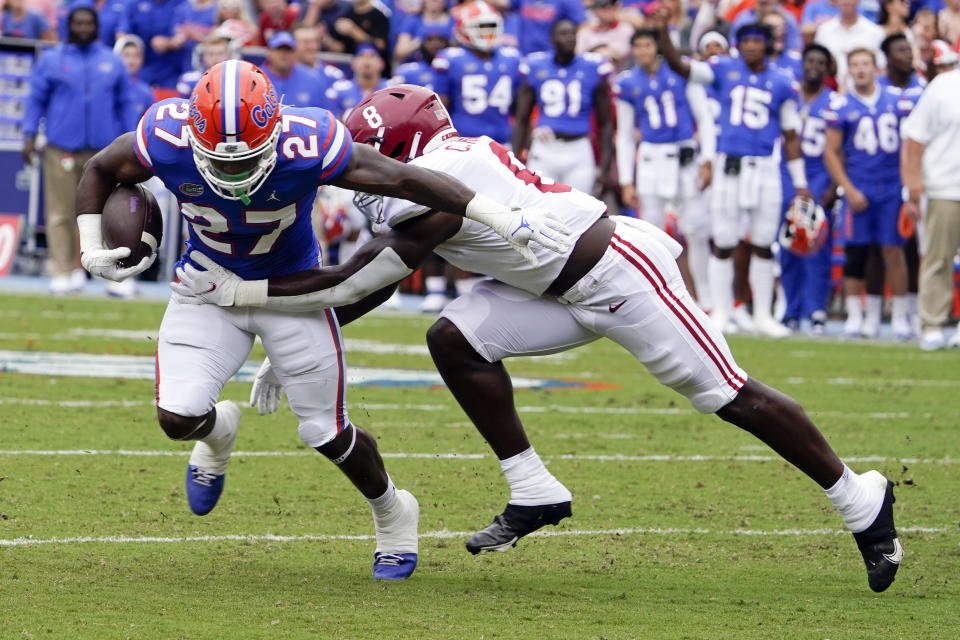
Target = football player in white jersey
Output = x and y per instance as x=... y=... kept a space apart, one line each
x=619 y=280
x=229 y=151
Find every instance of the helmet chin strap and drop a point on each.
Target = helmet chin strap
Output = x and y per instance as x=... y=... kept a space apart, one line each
x=244 y=198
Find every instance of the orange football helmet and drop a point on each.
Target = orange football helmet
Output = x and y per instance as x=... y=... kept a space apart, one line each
x=477 y=25
x=234 y=128
x=805 y=227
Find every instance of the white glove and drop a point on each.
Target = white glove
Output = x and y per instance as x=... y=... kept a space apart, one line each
x=217 y=285
x=520 y=227
x=100 y=261
x=267 y=390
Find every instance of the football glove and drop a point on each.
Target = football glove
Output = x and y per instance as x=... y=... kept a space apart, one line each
x=100 y=261
x=520 y=227
x=267 y=390
x=216 y=285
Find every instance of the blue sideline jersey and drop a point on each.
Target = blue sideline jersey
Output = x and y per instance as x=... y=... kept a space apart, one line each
x=273 y=234
x=659 y=103
x=871 y=136
x=480 y=91
x=909 y=95
x=813 y=138
x=790 y=62
x=537 y=17
x=301 y=87
x=565 y=93
x=419 y=73
x=750 y=106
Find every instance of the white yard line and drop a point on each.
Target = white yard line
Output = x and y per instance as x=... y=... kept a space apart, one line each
x=469 y=456
x=445 y=535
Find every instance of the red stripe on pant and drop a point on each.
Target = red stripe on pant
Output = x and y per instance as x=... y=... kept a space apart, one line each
x=676 y=306
x=332 y=323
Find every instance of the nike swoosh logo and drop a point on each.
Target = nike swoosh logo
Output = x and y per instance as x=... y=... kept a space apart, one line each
x=897 y=554
x=213 y=287
x=613 y=308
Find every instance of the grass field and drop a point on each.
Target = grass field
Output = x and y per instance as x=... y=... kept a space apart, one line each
x=683 y=527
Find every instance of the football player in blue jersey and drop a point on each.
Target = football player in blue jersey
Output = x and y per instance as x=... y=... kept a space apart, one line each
x=567 y=88
x=863 y=156
x=759 y=105
x=667 y=111
x=246 y=171
x=806 y=278
x=478 y=79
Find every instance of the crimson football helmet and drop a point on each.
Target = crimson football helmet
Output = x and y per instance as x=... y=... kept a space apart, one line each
x=805 y=229
x=477 y=25
x=403 y=121
x=234 y=128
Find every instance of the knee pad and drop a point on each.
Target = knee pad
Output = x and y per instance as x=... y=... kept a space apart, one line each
x=855 y=264
x=178 y=427
x=341 y=446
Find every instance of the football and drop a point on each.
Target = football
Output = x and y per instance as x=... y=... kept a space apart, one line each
x=131 y=218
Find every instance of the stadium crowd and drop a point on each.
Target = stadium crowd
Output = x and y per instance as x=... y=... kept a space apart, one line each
x=636 y=102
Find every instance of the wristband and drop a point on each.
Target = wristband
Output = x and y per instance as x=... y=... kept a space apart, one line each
x=251 y=293
x=91 y=237
x=485 y=211
x=797 y=173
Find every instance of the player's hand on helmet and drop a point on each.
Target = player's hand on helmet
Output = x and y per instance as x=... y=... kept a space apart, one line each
x=100 y=261
x=858 y=202
x=267 y=390
x=216 y=285
x=536 y=225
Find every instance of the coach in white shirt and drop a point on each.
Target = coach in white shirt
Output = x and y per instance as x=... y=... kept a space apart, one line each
x=846 y=32
x=932 y=135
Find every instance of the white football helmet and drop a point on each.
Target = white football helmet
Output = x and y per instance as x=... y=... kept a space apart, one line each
x=477 y=25
x=805 y=228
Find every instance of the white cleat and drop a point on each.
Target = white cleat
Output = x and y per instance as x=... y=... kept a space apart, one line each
x=932 y=339
x=767 y=326
x=744 y=321
x=397 y=541
x=853 y=327
x=434 y=303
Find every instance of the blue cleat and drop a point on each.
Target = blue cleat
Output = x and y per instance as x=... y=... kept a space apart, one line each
x=395 y=557
x=203 y=489
x=390 y=566
x=208 y=462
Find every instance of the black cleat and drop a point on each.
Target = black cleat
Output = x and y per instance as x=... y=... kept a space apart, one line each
x=880 y=547
x=514 y=523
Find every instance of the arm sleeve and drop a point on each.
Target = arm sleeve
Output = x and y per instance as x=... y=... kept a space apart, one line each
x=626 y=142
x=701 y=72
x=706 y=127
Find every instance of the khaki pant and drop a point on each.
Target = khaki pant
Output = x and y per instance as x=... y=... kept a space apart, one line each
x=60 y=195
x=941 y=238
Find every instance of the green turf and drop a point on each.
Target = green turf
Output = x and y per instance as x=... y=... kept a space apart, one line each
x=680 y=566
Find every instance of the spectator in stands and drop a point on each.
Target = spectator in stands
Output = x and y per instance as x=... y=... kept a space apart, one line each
x=606 y=30
x=217 y=47
x=130 y=49
x=783 y=58
x=537 y=18
x=294 y=83
x=19 y=22
x=153 y=21
x=432 y=17
x=82 y=90
x=193 y=22
x=792 y=39
x=368 y=66
x=275 y=16
x=233 y=18
x=948 y=22
x=113 y=17
x=420 y=70
x=848 y=31
x=365 y=23
x=815 y=13
x=930 y=164
x=893 y=17
x=324 y=14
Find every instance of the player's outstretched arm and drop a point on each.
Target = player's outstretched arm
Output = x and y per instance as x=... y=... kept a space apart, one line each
x=369 y=171
x=380 y=263
x=115 y=164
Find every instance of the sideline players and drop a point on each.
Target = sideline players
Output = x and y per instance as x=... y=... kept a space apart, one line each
x=619 y=281
x=246 y=172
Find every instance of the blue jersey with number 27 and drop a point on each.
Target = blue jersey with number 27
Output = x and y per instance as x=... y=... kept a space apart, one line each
x=750 y=106
x=272 y=235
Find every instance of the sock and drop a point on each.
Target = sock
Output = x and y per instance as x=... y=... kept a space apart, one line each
x=761 y=283
x=382 y=504
x=874 y=309
x=436 y=284
x=854 y=309
x=857 y=499
x=900 y=306
x=698 y=258
x=530 y=482
x=212 y=452
x=720 y=274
